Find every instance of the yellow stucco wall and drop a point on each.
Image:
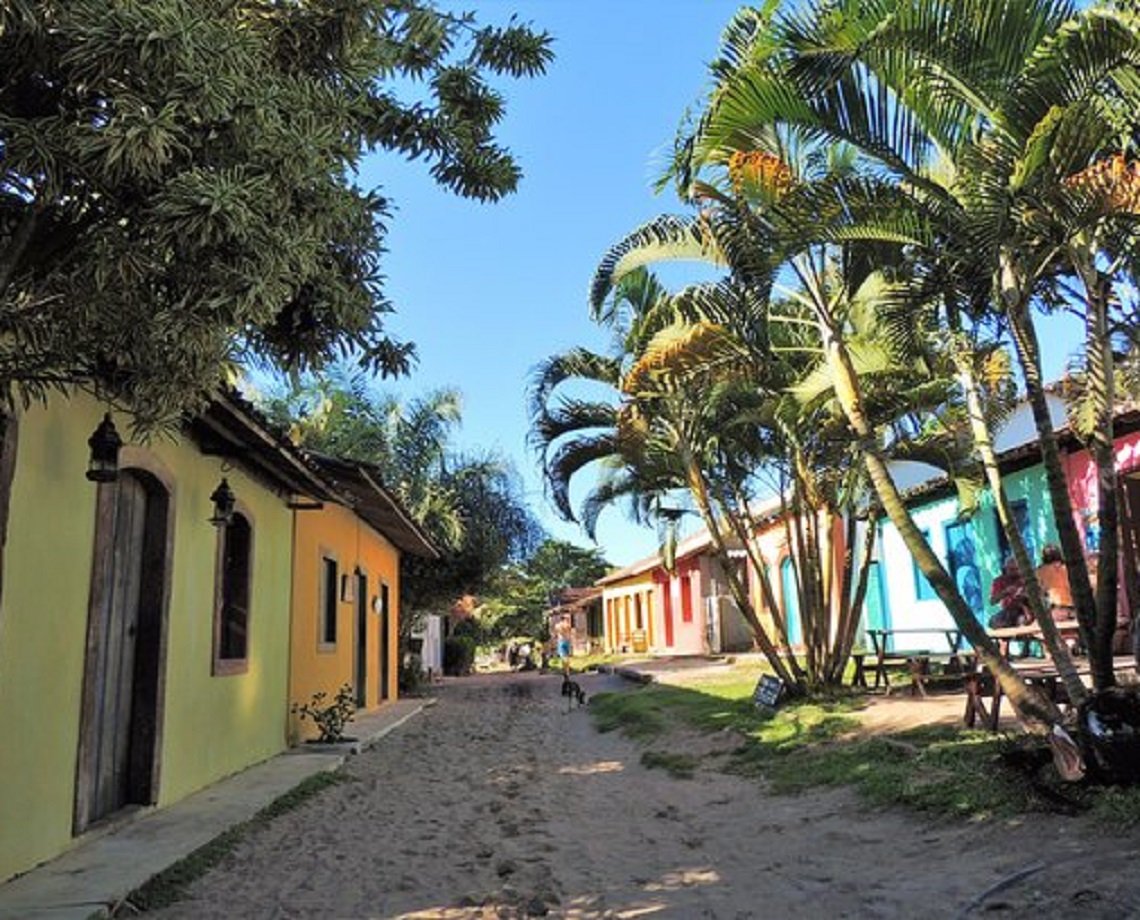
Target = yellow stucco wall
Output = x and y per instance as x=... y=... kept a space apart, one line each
x=211 y=726
x=337 y=532
x=618 y=613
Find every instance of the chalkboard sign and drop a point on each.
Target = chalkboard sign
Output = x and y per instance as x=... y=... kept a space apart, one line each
x=767 y=692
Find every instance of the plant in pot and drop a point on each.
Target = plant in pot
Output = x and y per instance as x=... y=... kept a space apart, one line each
x=330 y=718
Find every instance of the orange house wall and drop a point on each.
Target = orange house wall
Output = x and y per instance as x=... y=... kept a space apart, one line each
x=772 y=547
x=335 y=531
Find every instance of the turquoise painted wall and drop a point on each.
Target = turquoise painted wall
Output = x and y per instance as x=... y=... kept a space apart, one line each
x=907 y=607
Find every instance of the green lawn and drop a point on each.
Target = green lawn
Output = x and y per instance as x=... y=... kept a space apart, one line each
x=939 y=770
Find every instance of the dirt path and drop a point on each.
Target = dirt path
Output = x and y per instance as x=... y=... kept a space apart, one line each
x=496 y=803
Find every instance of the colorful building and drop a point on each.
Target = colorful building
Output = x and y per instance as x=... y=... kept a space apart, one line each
x=683 y=610
x=144 y=644
x=580 y=609
x=346 y=565
x=773 y=548
x=973 y=549
x=628 y=607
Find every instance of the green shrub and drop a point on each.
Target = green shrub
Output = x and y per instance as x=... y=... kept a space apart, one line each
x=330 y=719
x=458 y=655
x=411 y=676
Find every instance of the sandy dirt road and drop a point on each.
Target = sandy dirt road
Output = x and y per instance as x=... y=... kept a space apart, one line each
x=496 y=803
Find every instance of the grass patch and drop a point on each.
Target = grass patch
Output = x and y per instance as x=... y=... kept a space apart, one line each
x=1116 y=807
x=940 y=770
x=678 y=766
x=721 y=704
x=171 y=885
x=580 y=664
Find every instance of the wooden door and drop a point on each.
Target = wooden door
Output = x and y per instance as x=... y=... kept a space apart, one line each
x=385 y=664
x=1129 y=504
x=361 y=640
x=667 y=611
x=120 y=712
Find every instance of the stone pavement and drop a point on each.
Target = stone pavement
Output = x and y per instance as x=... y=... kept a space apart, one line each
x=102 y=869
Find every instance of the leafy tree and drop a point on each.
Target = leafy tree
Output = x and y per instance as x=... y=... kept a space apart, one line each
x=516 y=600
x=178 y=181
x=473 y=506
x=1006 y=171
x=890 y=136
x=558 y=565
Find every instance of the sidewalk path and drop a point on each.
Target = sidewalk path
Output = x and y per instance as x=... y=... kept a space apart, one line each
x=497 y=803
x=98 y=873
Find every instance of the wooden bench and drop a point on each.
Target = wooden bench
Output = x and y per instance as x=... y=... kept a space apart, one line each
x=982 y=686
x=917 y=660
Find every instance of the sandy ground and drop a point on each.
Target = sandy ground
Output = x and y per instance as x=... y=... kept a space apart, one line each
x=498 y=803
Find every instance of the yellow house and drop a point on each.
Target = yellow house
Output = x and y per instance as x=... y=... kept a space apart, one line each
x=628 y=604
x=144 y=647
x=346 y=591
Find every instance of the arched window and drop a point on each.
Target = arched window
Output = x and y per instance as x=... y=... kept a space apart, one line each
x=231 y=618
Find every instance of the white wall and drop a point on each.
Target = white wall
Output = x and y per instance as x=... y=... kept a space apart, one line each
x=1019 y=428
x=905 y=610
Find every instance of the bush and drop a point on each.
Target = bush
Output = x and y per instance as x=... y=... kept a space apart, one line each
x=458 y=655
x=411 y=675
x=331 y=719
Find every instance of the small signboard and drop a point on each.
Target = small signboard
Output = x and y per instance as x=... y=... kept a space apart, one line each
x=767 y=692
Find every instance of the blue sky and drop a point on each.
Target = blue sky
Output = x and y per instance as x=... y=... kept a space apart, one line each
x=488 y=291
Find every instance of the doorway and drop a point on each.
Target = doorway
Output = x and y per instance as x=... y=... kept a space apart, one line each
x=385 y=665
x=119 y=723
x=361 y=639
x=790 y=589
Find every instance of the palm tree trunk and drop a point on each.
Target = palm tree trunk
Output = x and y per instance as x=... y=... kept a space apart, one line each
x=742 y=527
x=1101 y=393
x=980 y=431
x=851 y=601
x=699 y=490
x=1030 y=704
x=1029 y=357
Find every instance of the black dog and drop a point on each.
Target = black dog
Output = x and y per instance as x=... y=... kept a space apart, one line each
x=572 y=691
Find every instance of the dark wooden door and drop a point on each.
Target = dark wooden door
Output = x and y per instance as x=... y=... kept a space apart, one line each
x=117 y=744
x=1129 y=486
x=361 y=640
x=383 y=643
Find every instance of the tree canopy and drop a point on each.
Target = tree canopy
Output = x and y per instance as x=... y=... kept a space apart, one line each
x=471 y=504
x=517 y=598
x=178 y=181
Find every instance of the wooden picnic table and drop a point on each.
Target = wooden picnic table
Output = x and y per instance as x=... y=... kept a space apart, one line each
x=1069 y=630
x=1038 y=672
x=916 y=659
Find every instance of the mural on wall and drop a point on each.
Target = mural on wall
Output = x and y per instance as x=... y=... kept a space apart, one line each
x=1092 y=531
x=962 y=556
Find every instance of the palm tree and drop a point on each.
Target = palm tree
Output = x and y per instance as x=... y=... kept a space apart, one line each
x=408 y=441
x=954 y=105
x=658 y=441
x=1030 y=108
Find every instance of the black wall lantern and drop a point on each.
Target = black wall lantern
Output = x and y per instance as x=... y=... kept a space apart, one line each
x=105 y=443
x=224 y=500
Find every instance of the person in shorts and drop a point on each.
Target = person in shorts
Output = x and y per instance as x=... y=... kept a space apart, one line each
x=563 y=646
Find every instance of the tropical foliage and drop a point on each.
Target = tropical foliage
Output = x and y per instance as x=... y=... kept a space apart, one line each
x=516 y=600
x=471 y=505
x=178 y=181
x=922 y=181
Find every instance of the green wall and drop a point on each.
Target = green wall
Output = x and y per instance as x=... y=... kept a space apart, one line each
x=1026 y=485
x=212 y=726
x=905 y=609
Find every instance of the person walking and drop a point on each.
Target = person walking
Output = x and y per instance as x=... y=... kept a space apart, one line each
x=564 y=646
